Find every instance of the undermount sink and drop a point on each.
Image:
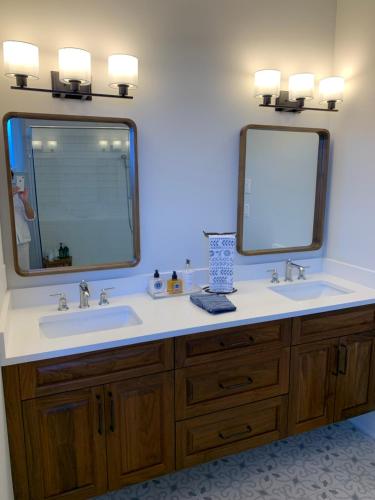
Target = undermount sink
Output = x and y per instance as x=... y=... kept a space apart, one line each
x=311 y=290
x=88 y=321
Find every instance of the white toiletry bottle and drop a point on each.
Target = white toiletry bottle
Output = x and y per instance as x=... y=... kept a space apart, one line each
x=156 y=284
x=188 y=277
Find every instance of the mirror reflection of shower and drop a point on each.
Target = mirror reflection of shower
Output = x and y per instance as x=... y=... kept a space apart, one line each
x=80 y=181
x=128 y=188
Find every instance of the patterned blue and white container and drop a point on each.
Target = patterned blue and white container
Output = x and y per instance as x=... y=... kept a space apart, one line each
x=221 y=263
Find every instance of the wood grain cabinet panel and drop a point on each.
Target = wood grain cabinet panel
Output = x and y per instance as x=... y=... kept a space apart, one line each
x=226 y=344
x=313 y=385
x=316 y=327
x=206 y=388
x=355 y=392
x=230 y=431
x=65 y=445
x=51 y=376
x=140 y=435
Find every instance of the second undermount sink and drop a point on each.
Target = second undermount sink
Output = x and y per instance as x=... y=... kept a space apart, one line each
x=88 y=321
x=310 y=290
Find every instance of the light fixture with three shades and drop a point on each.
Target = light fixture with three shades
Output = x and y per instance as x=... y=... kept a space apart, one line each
x=21 y=61
x=301 y=88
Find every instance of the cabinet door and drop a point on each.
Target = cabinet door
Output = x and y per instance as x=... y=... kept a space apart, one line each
x=312 y=385
x=355 y=393
x=65 y=445
x=140 y=434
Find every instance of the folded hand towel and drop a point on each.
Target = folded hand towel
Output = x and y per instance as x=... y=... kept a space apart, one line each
x=214 y=304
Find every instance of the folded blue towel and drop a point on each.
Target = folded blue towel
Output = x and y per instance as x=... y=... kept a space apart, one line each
x=214 y=304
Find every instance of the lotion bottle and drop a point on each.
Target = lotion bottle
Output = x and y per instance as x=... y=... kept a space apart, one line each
x=188 y=277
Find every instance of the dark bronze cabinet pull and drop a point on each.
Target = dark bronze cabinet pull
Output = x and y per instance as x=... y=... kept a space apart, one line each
x=111 y=413
x=337 y=357
x=241 y=343
x=228 y=385
x=343 y=359
x=100 y=414
x=225 y=435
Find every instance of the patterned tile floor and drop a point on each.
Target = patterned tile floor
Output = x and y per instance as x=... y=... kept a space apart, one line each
x=332 y=463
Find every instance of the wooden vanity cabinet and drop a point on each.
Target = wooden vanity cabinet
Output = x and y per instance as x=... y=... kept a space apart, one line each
x=140 y=429
x=76 y=443
x=355 y=389
x=65 y=444
x=332 y=374
x=81 y=425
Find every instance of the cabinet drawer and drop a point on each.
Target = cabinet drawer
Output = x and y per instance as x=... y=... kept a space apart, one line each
x=230 y=431
x=228 y=343
x=332 y=324
x=207 y=388
x=83 y=370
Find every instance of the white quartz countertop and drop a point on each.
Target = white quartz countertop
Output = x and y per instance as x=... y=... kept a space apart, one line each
x=164 y=318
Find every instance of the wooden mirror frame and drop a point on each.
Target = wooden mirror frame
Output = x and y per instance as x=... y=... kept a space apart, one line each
x=320 y=192
x=135 y=205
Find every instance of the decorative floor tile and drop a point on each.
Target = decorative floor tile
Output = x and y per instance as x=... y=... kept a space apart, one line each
x=336 y=462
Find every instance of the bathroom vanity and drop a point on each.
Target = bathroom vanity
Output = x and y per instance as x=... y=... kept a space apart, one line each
x=83 y=424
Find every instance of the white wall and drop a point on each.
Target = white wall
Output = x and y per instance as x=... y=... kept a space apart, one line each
x=351 y=234
x=195 y=94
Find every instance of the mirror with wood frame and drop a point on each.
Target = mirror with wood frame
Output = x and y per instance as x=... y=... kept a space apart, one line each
x=281 y=189
x=73 y=192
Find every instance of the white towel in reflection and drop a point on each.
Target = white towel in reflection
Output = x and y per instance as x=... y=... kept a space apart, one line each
x=221 y=262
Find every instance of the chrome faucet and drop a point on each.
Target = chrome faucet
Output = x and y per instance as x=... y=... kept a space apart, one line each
x=289 y=270
x=84 y=295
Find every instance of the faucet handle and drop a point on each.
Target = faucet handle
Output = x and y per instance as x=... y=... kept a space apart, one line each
x=63 y=303
x=301 y=272
x=103 y=299
x=274 y=276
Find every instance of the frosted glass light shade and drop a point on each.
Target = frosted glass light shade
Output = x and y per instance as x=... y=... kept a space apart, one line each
x=267 y=82
x=52 y=145
x=122 y=70
x=331 y=89
x=74 y=65
x=37 y=145
x=301 y=86
x=20 y=58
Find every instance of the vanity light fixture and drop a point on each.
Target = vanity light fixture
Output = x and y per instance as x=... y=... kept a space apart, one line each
x=301 y=88
x=52 y=145
x=37 y=145
x=116 y=145
x=103 y=145
x=73 y=80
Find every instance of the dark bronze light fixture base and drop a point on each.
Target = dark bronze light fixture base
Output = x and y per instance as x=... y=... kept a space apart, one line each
x=284 y=105
x=66 y=91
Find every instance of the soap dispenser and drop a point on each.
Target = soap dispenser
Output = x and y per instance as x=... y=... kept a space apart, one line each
x=156 y=284
x=174 y=285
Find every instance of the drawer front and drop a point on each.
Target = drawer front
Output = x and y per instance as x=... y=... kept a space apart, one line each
x=228 y=343
x=332 y=324
x=230 y=431
x=221 y=385
x=51 y=376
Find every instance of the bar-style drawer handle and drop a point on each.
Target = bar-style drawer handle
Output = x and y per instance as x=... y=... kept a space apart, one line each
x=241 y=343
x=100 y=414
x=228 y=385
x=343 y=359
x=225 y=435
x=111 y=412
